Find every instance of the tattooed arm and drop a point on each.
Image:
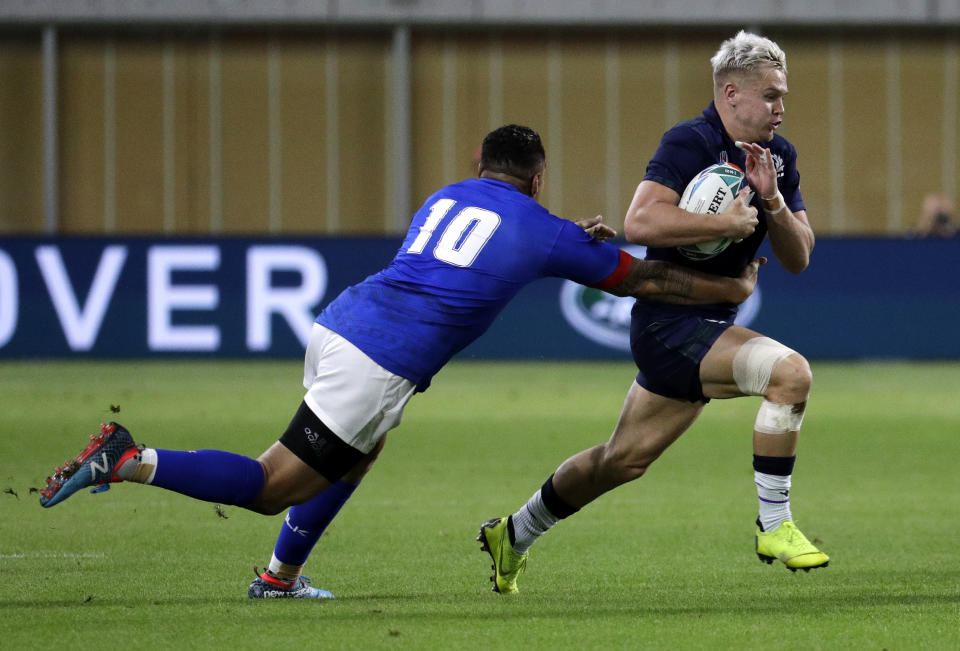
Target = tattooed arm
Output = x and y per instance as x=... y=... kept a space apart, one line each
x=668 y=283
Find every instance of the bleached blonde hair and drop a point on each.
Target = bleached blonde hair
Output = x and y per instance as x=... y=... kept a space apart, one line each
x=745 y=53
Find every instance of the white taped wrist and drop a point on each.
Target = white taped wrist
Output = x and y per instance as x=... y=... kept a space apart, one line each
x=781 y=204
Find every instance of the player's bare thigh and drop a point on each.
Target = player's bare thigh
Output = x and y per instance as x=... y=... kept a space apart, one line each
x=790 y=378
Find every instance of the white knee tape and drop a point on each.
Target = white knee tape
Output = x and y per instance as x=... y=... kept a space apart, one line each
x=776 y=418
x=753 y=364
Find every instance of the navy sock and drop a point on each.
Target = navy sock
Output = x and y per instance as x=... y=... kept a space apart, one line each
x=210 y=475
x=306 y=522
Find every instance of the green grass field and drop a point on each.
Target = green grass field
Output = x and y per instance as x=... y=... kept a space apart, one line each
x=665 y=562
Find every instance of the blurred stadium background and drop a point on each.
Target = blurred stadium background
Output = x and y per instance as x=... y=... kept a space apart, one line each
x=199 y=176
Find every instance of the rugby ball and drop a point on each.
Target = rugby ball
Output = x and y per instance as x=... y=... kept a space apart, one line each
x=710 y=193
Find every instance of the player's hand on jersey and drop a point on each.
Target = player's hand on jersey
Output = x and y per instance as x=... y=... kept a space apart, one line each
x=761 y=170
x=747 y=281
x=595 y=228
x=742 y=216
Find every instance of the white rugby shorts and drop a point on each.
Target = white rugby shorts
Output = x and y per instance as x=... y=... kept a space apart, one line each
x=355 y=397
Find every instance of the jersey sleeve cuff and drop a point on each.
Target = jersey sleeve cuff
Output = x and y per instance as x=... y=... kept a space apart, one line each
x=619 y=273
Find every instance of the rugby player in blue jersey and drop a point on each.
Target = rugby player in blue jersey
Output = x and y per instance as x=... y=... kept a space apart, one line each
x=688 y=354
x=470 y=248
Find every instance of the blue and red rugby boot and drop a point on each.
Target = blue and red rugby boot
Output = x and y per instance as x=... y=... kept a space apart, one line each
x=94 y=466
x=267 y=586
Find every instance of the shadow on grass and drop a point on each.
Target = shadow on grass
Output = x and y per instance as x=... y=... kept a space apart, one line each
x=545 y=607
x=824 y=591
x=429 y=606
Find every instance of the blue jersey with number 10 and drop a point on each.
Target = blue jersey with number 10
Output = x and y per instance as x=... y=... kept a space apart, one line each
x=470 y=248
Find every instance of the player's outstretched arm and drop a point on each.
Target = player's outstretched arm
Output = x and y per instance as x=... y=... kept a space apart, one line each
x=669 y=283
x=595 y=228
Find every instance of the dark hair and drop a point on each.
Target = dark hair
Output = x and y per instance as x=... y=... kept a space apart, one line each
x=513 y=150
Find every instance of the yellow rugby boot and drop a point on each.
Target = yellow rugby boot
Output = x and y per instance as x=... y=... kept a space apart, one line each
x=788 y=544
x=507 y=564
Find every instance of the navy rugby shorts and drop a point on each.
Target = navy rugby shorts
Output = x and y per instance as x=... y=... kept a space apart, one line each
x=668 y=342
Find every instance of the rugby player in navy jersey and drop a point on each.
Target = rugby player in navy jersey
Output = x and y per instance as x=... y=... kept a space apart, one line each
x=470 y=248
x=687 y=354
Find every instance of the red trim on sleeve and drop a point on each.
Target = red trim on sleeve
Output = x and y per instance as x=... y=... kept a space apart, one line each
x=615 y=278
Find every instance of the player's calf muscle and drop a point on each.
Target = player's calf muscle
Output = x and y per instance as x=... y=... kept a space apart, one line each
x=281 y=491
x=275 y=495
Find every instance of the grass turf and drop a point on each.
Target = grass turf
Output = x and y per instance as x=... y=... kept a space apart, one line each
x=665 y=562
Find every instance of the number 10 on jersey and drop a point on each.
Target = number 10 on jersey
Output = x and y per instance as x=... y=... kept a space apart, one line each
x=462 y=238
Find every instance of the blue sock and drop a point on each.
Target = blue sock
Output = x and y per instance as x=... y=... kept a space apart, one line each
x=306 y=522
x=210 y=475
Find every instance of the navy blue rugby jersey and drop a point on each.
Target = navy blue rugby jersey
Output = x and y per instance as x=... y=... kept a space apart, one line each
x=693 y=145
x=470 y=248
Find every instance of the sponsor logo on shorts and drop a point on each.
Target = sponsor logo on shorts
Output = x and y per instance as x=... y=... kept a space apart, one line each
x=314 y=439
